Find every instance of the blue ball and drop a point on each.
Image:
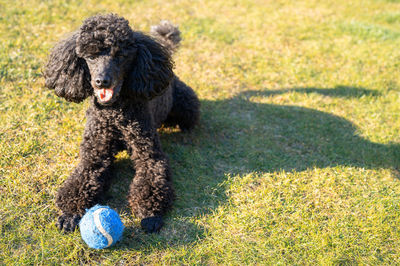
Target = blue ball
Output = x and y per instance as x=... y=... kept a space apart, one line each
x=101 y=227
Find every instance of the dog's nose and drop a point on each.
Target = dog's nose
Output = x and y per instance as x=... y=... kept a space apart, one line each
x=103 y=82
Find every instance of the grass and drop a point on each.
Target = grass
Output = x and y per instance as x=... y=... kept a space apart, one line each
x=296 y=159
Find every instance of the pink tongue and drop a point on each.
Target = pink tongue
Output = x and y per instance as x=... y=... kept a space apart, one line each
x=105 y=94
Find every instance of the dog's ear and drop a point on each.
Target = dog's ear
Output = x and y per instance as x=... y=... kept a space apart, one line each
x=66 y=73
x=151 y=70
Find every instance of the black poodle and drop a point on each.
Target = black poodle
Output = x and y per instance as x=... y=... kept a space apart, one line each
x=133 y=91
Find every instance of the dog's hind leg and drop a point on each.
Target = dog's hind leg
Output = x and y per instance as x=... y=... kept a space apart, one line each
x=185 y=111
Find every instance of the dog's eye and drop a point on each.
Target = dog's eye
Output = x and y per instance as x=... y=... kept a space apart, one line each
x=91 y=58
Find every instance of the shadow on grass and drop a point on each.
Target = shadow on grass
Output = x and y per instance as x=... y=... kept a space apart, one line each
x=237 y=136
x=338 y=91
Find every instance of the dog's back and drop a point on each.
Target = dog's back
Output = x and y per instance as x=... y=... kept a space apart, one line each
x=170 y=37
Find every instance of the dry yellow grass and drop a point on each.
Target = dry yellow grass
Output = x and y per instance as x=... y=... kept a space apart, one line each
x=296 y=159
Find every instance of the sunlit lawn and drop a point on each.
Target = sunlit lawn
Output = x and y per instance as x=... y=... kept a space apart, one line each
x=296 y=159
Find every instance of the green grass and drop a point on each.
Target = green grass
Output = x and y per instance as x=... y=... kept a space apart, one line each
x=296 y=159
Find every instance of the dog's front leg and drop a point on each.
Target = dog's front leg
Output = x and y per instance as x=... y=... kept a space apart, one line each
x=86 y=183
x=151 y=193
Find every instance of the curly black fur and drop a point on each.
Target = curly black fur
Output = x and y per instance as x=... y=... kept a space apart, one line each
x=106 y=57
x=168 y=34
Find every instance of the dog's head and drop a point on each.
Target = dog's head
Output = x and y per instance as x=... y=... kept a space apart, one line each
x=106 y=58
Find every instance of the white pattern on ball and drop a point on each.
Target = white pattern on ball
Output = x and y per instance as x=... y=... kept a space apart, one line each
x=96 y=218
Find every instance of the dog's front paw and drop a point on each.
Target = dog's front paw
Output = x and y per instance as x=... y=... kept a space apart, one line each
x=152 y=224
x=68 y=222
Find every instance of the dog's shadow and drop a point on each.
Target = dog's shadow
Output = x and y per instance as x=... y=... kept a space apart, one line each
x=238 y=136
